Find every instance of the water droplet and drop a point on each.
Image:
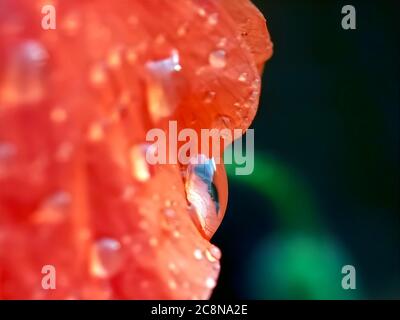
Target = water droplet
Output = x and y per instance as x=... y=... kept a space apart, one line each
x=172 y=285
x=53 y=209
x=176 y=234
x=96 y=132
x=169 y=213
x=210 y=97
x=243 y=77
x=161 y=88
x=182 y=30
x=213 y=19
x=217 y=59
x=222 y=43
x=131 y=56
x=71 y=24
x=106 y=258
x=206 y=191
x=210 y=283
x=201 y=12
x=153 y=242
x=213 y=254
x=198 y=255
x=143 y=225
x=140 y=169
x=98 y=75
x=64 y=152
x=7 y=151
x=58 y=115
x=128 y=193
x=24 y=75
x=114 y=58
x=172 y=267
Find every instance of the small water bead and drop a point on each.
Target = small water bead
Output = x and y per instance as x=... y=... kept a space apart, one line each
x=153 y=242
x=98 y=75
x=243 y=77
x=222 y=43
x=54 y=208
x=206 y=192
x=140 y=169
x=64 y=151
x=209 y=97
x=128 y=193
x=169 y=213
x=114 y=59
x=217 y=59
x=172 y=267
x=176 y=234
x=131 y=56
x=161 y=91
x=7 y=151
x=198 y=255
x=201 y=12
x=71 y=24
x=58 y=115
x=212 y=19
x=210 y=283
x=23 y=79
x=182 y=30
x=96 y=132
x=106 y=258
x=172 y=285
x=213 y=254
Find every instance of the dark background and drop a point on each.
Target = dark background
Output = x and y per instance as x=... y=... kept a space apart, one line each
x=325 y=189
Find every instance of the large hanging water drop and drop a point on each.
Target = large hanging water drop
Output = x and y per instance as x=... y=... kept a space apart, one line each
x=207 y=192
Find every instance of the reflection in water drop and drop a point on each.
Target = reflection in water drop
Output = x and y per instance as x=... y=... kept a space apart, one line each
x=206 y=191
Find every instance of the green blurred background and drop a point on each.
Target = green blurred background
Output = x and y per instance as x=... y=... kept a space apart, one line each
x=325 y=190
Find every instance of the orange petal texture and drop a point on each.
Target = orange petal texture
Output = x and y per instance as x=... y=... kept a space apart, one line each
x=76 y=192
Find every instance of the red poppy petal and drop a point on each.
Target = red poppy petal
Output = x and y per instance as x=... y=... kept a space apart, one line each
x=75 y=106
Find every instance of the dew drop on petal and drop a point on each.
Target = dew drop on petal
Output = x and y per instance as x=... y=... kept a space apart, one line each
x=7 y=151
x=210 y=283
x=106 y=258
x=217 y=59
x=198 y=255
x=213 y=254
x=206 y=191
x=58 y=115
x=140 y=169
x=209 y=97
x=161 y=88
x=98 y=76
x=213 y=19
x=23 y=78
x=243 y=77
x=96 y=132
